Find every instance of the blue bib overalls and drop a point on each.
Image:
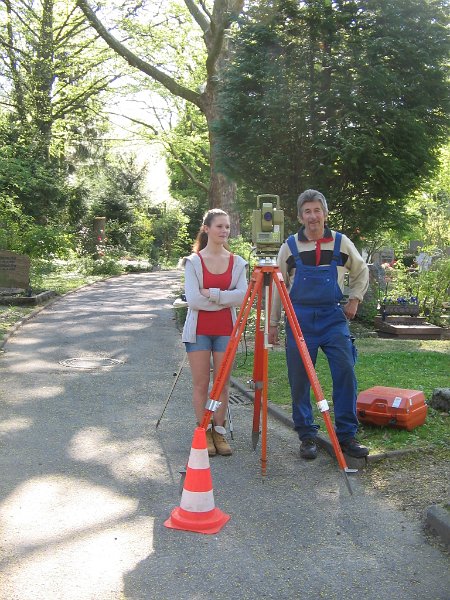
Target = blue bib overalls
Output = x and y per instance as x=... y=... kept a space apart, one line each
x=315 y=296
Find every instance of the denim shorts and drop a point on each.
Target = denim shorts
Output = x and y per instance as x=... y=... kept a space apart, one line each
x=213 y=343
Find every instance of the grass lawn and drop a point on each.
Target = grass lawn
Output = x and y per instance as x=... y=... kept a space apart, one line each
x=61 y=278
x=414 y=364
x=9 y=315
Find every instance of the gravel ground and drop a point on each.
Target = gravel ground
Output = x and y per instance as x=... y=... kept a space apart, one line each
x=413 y=482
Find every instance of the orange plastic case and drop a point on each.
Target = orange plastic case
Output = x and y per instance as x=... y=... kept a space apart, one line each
x=392 y=407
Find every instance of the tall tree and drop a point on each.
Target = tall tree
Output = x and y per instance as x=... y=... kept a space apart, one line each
x=350 y=97
x=51 y=65
x=170 y=59
x=54 y=67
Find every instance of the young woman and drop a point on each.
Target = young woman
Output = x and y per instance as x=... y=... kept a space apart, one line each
x=215 y=283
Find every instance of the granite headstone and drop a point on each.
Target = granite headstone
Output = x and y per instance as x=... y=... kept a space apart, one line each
x=14 y=272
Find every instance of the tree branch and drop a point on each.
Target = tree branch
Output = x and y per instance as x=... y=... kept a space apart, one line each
x=137 y=121
x=190 y=174
x=133 y=60
x=224 y=13
x=81 y=98
x=198 y=16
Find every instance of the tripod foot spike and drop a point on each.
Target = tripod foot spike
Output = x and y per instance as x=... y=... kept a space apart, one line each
x=347 y=482
x=255 y=439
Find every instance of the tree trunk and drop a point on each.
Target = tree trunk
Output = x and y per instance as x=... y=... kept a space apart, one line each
x=222 y=191
x=18 y=84
x=44 y=77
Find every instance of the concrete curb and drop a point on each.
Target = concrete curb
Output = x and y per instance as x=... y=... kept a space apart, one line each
x=437 y=517
x=322 y=440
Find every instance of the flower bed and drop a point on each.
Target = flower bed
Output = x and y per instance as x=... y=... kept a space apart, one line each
x=400 y=309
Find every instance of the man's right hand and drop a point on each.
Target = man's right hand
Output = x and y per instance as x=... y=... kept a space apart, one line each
x=273 y=335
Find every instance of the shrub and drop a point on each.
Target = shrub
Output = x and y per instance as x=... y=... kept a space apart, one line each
x=429 y=287
x=239 y=245
x=106 y=266
x=49 y=241
x=20 y=233
x=434 y=289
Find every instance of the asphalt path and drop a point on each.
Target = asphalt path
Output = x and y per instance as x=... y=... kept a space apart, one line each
x=87 y=481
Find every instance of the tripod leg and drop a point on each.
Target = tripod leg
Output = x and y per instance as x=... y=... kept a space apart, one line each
x=265 y=368
x=230 y=421
x=230 y=352
x=177 y=375
x=257 y=374
x=265 y=399
x=312 y=376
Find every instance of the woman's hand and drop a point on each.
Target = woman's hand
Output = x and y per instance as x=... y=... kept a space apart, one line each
x=204 y=292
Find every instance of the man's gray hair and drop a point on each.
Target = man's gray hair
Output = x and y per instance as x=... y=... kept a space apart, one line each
x=310 y=196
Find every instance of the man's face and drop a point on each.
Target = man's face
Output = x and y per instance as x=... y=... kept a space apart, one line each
x=313 y=218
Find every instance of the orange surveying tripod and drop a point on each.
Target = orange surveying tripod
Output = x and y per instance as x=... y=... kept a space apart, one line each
x=260 y=287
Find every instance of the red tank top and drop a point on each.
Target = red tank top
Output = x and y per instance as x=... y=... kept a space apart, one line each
x=218 y=322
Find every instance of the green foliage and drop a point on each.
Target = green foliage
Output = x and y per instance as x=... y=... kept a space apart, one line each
x=239 y=245
x=49 y=241
x=434 y=290
x=193 y=207
x=171 y=238
x=400 y=282
x=391 y=363
x=142 y=238
x=431 y=286
x=114 y=187
x=188 y=165
x=20 y=233
x=348 y=98
x=61 y=275
x=12 y=224
x=430 y=207
x=105 y=265
x=52 y=70
x=367 y=311
x=36 y=182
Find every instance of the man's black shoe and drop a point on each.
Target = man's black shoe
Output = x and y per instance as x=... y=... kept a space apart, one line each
x=308 y=448
x=353 y=448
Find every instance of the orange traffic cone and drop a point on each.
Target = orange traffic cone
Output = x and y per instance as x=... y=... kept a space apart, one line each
x=197 y=511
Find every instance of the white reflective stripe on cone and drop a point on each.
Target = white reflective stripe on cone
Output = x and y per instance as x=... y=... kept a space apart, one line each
x=198 y=459
x=197 y=501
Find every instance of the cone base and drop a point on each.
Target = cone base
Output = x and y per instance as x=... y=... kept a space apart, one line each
x=210 y=522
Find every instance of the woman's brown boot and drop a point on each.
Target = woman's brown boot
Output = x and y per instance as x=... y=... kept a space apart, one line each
x=222 y=446
x=210 y=443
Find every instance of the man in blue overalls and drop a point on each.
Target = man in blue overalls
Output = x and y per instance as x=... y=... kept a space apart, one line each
x=313 y=263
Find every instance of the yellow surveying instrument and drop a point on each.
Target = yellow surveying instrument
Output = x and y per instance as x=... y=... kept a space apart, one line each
x=267 y=225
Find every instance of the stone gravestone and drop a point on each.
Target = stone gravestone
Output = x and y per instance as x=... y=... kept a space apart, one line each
x=14 y=272
x=384 y=255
